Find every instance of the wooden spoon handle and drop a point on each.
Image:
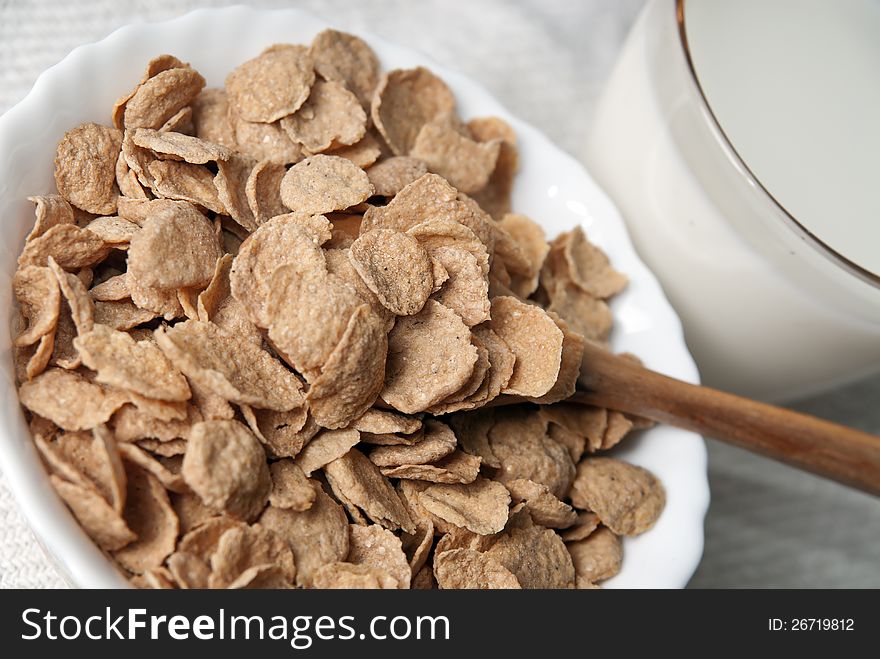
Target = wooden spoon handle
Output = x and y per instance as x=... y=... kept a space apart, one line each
x=843 y=454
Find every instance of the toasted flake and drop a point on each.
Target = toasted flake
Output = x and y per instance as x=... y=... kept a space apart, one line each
x=431 y=198
x=39 y=299
x=122 y=362
x=69 y=400
x=49 y=210
x=138 y=160
x=575 y=443
x=263 y=191
x=359 y=480
x=494 y=198
x=71 y=247
x=290 y=487
x=60 y=345
x=597 y=557
x=212 y=406
x=331 y=115
x=380 y=548
x=181 y=122
x=266 y=576
x=384 y=421
x=438 y=442
x=121 y=315
x=544 y=508
x=191 y=512
x=31 y=361
x=139 y=210
x=179 y=146
x=317 y=536
x=202 y=540
x=404 y=101
x=363 y=153
x=417 y=546
x=210 y=118
x=457 y=467
x=230 y=366
x=529 y=236
x=186 y=182
x=280 y=241
x=272 y=85
x=157 y=301
x=465 y=163
x=466 y=291
x=470 y=569
x=618 y=428
x=149 y=514
x=80 y=305
x=628 y=499
x=392 y=175
x=322 y=183
x=161 y=97
x=210 y=299
x=441 y=233
x=226 y=466
x=136 y=455
x=243 y=548
x=309 y=311
x=537 y=556
x=430 y=356
x=472 y=431
x=176 y=248
x=326 y=447
x=339 y=264
x=231 y=184
x=169 y=449
x=570 y=363
x=536 y=341
x=131 y=424
x=160 y=409
x=480 y=506
x=520 y=442
x=128 y=182
x=283 y=433
x=265 y=142
x=353 y=374
x=85 y=167
x=342 y=575
x=189 y=571
x=586 y=314
x=88 y=459
x=216 y=304
x=583 y=527
x=345 y=58
x=395 y=267
x=590 y=268
x=501 y=363
x=98 y=518
x=113 y=230
x=346 y=229
x=585 y=421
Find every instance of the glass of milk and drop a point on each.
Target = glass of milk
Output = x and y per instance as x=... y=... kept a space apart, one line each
x=741 y=141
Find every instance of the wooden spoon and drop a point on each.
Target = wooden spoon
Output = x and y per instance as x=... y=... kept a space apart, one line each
x=849 y=456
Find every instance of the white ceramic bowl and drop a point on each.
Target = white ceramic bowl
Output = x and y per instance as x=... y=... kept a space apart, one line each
x=551 y=187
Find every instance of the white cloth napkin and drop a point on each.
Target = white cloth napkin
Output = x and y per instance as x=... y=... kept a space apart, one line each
x=546 y=61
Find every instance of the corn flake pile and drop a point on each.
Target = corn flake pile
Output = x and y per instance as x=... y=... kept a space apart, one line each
x=262 y=326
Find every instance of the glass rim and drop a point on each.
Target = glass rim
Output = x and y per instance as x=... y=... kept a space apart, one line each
x=802 y=231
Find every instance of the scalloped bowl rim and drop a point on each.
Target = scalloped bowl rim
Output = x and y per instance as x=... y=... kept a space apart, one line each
x=552 y=187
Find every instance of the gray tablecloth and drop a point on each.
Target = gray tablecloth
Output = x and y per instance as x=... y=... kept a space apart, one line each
x=546 y=60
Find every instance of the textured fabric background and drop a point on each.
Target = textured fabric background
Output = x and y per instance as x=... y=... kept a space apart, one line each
x=546 y=60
